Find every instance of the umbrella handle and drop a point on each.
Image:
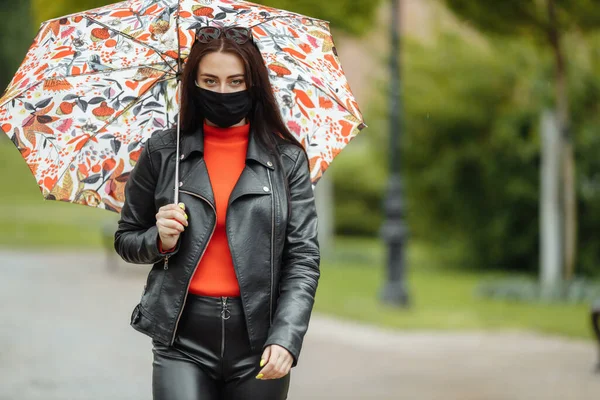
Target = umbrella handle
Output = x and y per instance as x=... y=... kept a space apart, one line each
x=177 y=151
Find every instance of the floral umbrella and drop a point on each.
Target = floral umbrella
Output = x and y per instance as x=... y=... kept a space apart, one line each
x=96 y=84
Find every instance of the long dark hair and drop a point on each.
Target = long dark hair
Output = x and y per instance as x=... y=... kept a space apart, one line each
x=265 y=118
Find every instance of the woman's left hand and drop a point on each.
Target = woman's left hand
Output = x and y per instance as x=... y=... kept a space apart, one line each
x=277 y=362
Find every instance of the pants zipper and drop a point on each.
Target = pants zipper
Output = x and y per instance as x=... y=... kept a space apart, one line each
x=196 y=266
x=225 y=315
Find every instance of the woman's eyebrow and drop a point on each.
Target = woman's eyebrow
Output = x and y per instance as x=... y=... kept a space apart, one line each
x=229 y=77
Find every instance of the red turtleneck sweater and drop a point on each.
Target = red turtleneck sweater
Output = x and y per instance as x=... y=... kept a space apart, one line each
x=225 y=158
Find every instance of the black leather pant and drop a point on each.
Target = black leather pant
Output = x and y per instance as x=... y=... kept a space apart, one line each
x=211 y=357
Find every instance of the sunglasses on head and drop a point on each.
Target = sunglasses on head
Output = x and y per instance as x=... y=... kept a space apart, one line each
x=237 y=34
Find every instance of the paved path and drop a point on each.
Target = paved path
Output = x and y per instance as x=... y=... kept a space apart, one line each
x=64 y=335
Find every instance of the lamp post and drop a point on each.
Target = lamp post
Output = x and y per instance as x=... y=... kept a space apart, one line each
x=394 y=231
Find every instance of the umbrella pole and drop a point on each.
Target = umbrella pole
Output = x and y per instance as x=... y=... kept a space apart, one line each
x=177 y=151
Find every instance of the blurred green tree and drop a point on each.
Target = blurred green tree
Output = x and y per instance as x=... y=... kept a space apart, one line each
x=44 y=10
x=547 y=22
x=471 y=153
x=471 y=149
x=353 y=16
x=359 y=181
x=16 y=34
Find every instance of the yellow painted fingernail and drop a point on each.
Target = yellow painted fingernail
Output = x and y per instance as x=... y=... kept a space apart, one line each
x=259 y=376
x=262 y=363
x=186 y=217
x=182 y=206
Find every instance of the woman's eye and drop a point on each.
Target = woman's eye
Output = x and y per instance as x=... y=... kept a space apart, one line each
x=209 y=81
x=237 y=82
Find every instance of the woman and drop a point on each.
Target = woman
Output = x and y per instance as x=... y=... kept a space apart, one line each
x=236 y=264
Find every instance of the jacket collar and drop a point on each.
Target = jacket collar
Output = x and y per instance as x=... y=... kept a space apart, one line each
x=194 y=142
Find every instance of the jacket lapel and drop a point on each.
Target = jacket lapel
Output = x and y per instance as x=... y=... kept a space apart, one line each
x=258 y=153
x=250 y=182
x=197 y=181
x=254 y=180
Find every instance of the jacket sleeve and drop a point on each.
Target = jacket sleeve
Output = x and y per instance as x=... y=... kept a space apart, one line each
x=136 y=238
x=300 y=267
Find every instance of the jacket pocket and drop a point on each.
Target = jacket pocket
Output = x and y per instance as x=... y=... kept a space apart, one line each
x=142 y=322
x=135 y=315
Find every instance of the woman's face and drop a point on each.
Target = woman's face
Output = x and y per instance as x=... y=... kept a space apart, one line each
x=221 y=72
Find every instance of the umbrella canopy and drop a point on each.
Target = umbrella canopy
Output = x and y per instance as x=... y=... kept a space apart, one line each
x=95 y=85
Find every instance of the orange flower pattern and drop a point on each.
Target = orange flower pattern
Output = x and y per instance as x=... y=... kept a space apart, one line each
x=95 y=85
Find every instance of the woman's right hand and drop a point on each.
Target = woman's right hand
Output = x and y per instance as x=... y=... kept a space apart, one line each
x=171 y=220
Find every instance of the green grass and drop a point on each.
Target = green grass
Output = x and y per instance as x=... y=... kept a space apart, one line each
x=29 y=221
x=441 y=299
x=352 y=275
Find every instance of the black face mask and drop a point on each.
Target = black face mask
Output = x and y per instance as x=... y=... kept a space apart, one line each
x=224 y=109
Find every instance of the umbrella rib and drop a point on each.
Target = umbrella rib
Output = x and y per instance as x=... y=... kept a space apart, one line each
x=21 y=92
x=160 y=54
x=306 y=64
x=130 y=105
x=178 y=37
x=360 y=118
x=297 y=16
x=337 y=100
x=113 y=119
x=74 y=76
x=116 y=70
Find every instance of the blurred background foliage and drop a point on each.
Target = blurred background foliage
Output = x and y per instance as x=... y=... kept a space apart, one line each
x=471 y=146
x=16 y=35
x=527 y=17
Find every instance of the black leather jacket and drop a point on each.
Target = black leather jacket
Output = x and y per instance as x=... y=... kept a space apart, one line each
x=275 y=250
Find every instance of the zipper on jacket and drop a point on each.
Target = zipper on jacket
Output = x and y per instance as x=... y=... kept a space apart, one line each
x=196 y=266
x=166 y=266
x=225 y=315
x=272 y=249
